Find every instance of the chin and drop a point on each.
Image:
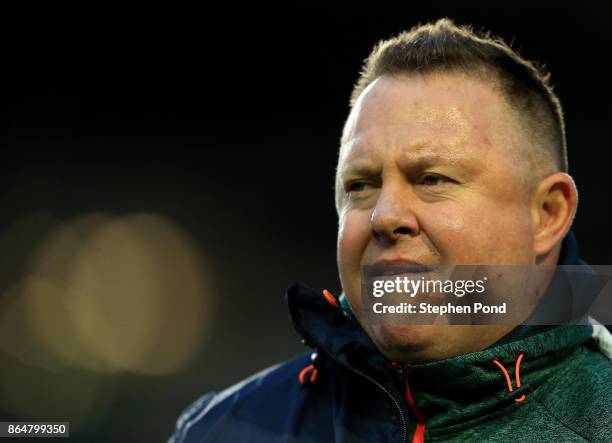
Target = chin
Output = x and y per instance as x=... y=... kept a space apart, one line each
x=428 y=343
x=408 y=343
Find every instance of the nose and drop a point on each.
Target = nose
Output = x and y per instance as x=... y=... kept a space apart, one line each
x=393 y=216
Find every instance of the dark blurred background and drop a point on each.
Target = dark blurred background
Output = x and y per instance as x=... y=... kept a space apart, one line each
x=165 y=175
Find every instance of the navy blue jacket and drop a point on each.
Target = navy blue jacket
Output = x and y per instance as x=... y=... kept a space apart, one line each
x=341 y=404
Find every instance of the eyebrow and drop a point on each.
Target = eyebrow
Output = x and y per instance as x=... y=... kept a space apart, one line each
x=366 y=167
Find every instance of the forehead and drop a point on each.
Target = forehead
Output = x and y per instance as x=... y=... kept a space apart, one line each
x=447 y=111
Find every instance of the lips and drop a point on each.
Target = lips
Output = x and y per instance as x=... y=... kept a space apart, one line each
x=397 y=267
x=400 y=262
x=386 y=270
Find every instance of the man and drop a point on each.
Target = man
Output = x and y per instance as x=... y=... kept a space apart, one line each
x=453 y=153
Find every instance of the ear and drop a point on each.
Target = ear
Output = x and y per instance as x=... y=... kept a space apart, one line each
x=554 y=208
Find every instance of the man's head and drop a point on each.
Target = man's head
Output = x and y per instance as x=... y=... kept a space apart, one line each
x=453 y=153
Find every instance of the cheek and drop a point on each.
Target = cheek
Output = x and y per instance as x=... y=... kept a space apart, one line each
x=451 y=220
x=479 y=234
x=353 y=237
x=447 y=227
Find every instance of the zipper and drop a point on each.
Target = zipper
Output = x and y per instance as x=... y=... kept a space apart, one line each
x=393 y=399
x=419 y=433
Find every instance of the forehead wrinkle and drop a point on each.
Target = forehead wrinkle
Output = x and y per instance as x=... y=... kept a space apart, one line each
x=413 y=157
x=425 y=158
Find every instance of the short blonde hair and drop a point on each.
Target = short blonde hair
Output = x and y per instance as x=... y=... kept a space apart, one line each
x=443 y=47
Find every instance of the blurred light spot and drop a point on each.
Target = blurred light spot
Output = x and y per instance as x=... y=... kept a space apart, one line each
x=101 y=293
x=17 y=243
x=142 y=295
x=51 y=312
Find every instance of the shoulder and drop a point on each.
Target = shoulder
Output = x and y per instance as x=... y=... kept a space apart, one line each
x=592 y=394
x=580 y=396
x=263 y=398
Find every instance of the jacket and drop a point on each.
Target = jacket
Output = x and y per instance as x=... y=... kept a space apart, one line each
x=545 y=384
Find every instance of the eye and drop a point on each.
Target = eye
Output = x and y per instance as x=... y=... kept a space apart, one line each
x=356 y=186
x=434 y=180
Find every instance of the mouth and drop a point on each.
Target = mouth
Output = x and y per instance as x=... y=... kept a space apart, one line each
x=395 y=269
x=397 y=266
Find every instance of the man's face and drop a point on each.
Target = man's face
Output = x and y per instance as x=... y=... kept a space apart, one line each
x=429 y=174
